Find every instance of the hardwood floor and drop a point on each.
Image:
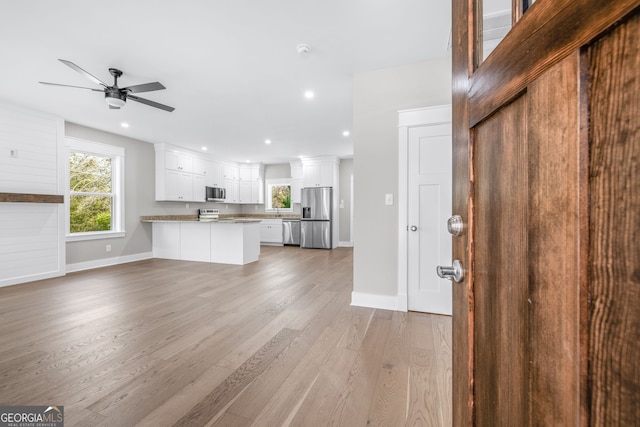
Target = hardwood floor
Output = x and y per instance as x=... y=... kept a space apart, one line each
x=173 y=343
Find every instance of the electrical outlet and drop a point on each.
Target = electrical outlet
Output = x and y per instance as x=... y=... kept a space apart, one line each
x=108 y=248
x=186 y=206
x=388 y=199
x=341 y=204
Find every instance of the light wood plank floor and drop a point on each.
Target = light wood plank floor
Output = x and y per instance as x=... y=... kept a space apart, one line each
x=272 y=343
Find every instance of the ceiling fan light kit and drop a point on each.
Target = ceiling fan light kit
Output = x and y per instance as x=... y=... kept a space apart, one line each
x=115 y=96
x=115 y=99
x=303 y=49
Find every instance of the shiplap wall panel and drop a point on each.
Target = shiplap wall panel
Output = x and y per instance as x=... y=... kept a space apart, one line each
x=31 y=234
x=34 y=138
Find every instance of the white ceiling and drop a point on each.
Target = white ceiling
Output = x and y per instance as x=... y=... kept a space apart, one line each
x=231 y=68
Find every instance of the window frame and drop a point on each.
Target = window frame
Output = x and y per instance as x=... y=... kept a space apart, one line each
x=117 y=155
x=269 y=183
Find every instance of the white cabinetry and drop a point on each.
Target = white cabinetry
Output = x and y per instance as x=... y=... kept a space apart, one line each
x=233 y=189
x=296 y=181
x=319 y=174
x=231 y=183
x=271 y=232
x=244 y=173
x=251 y=183
x=177 y=161
x=178 y=186
x=230 y=171
x=296 y=191
x=214 y=174
x=182 y=177
x=227 y=243
x=175 y=176
x=245 y=192
x=199 y=188
x=199 y=166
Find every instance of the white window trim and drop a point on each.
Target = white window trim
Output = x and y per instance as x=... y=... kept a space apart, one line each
x=267 y=201
x=117 y=155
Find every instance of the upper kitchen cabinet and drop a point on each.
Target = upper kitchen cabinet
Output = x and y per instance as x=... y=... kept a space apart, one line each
x=233 y=190
x=199 y=166
x=320 y=172
x=231 y=172
x=251 y=183
x=182 y=176
x=177 y=161
x=214 y=174
x=176 y=179
x=296 y=181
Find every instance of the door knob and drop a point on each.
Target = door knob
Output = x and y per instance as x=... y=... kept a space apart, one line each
x=455 y=225
x=454 y=272
x=414 y=228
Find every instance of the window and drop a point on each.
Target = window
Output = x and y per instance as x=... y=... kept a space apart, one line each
x=95 y=191
x=278 y=196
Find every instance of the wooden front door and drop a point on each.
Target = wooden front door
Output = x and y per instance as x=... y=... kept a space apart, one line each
x=546 y=155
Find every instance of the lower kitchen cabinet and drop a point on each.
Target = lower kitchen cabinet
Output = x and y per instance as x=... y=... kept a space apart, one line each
x=218 y=242
x=271 y=232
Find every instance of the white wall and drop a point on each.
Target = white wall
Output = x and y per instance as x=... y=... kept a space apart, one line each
x=31 y=234
x=378 y=96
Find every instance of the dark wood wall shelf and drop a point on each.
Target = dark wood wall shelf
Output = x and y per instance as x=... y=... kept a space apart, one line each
x=30 y=198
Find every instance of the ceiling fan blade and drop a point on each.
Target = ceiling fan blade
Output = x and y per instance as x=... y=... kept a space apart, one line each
x=83 y=72
x=146 y=87
x=77 y=87
x=151 y=103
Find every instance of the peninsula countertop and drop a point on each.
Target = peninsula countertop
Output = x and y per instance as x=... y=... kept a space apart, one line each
x=226 y=218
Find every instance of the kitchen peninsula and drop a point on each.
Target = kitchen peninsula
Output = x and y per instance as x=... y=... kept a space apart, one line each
x=225 y=241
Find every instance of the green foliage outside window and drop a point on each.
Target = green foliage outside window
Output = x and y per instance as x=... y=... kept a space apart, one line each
x=280 y=196
x=91 y=198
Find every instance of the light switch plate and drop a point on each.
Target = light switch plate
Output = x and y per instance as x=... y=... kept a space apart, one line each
x=388 y=199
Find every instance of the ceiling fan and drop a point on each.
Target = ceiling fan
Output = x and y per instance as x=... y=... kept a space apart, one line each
x=115 y=96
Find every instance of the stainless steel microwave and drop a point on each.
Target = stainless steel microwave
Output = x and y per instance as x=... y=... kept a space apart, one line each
x=216 y=194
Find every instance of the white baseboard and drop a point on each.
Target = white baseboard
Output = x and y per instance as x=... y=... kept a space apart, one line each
x=384 y=302
x=345 y=244
x=108 y=261
x=25 y=279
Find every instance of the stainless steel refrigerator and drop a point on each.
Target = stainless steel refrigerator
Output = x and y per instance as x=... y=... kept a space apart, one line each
x=316 y=222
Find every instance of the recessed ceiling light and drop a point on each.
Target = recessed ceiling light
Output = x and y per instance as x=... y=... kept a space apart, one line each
x=204 y=148
x=248 y=161
x=301 y=156
x=309 y=94
x=345 y=133
x=124 y=124
x=267 y=141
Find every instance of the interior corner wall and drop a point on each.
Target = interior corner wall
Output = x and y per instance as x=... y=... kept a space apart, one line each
x=377 y=97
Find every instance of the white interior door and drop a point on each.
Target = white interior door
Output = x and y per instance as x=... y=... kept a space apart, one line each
x=429 y=207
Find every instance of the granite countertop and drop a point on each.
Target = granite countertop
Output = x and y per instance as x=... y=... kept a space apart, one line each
x=263 y=216
x=224 y=218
